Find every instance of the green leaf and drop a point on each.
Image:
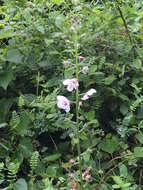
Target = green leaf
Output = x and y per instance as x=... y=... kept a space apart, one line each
x=94 y=123
x=109 y=80
x=14 y=56
x=118 y=180
x=123 y=109
x=58 y=1
x=25 y=119
x=83 y=137
x=51 y=171
x=5 y=105
x=140 y=137
x=109 y=145
x=116 y=186
x=5 y=78
x=86 y=157
x=27 y=15
x=48 y=41
x=123 y=170
x=138 y=152
x=90 y=115
x=137 y=63
x=52 y=158
x=5 y=147
x=6 y=35
x=127 y=119
x=41 y=29
x=26 y=147
x=20 y=185
x=126 y=185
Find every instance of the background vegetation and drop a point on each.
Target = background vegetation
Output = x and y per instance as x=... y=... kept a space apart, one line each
x=37 y=139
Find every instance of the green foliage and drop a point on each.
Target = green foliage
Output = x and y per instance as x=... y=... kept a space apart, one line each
x=38 y=139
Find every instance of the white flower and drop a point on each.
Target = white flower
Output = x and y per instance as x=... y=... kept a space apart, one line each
x=85 y=70
x=63 y=103
x=71 y=84
x=88 y=94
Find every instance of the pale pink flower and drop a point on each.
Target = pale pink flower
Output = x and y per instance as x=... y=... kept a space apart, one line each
x=67 y=42
x=88 y=94
x=71 y=84
x=66 y=63
x=80 y=58
x=63 y=103
x=71 y=162
x=85 y=70
x=88 y=177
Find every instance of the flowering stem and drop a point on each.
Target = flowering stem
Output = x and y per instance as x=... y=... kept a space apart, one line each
x=77 y=112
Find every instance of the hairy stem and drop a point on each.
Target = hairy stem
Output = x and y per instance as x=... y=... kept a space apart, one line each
x=77 y=113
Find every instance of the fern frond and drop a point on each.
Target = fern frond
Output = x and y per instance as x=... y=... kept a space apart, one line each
x=15 y=120
x=12 y=171
x=34 y=160
x=1 y=172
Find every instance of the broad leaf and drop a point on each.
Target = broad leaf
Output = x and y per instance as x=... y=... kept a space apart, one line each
x=52 y=157
x=109 y=145
x=5 y=78
x=138 y=152
x=20 y=185
x=14 y=56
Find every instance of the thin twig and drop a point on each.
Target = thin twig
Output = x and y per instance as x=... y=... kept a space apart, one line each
x=125 y=25
x=102 y=179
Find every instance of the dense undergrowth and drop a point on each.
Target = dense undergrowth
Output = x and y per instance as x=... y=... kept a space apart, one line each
x=43 y=43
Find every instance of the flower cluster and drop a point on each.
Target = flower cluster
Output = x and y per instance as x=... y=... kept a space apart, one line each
x=63 y=102
x=86 y=175
x=72 y=84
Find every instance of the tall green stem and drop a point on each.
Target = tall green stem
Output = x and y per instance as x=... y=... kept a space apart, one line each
x=77 y=112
